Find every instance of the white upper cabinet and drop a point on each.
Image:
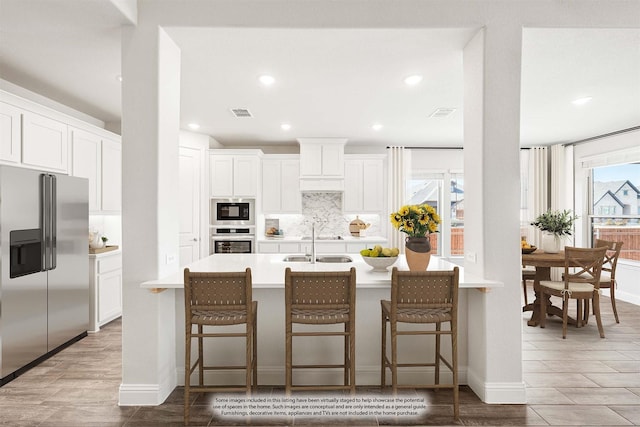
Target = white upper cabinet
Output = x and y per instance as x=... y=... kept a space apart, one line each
x=111 y=176
x=322 y=157
x=234 y=175
x=9 y=133
x=365 y=187
x=281 y=185
x=322 y=164
x=85 y=163
x=221 y=172
x=44 y=142
x=100 y=161
x=245 y=176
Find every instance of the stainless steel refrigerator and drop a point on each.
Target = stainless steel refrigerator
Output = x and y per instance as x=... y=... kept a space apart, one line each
x=44 y=266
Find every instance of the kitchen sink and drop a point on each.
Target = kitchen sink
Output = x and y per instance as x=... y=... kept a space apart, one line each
x=297 y=258
x=333 y=258
x=324 y=238
x=321 y=258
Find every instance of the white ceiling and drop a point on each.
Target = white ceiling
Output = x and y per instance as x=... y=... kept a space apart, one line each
x=328 y=82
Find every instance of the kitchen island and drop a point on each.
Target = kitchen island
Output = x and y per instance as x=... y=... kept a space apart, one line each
x=268 y=289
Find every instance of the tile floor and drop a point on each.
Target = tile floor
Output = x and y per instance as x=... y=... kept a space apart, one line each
x=583 y=380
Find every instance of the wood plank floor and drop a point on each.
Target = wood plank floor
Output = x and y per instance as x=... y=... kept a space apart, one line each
x=583 y=380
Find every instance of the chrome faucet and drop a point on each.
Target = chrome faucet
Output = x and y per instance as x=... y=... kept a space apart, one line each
x=313 y=243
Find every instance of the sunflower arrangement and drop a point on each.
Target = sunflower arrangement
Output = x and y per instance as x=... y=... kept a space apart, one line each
x=416 y=220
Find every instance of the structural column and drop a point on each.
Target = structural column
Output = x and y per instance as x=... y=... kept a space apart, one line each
x=492 y=194
x=150 y=226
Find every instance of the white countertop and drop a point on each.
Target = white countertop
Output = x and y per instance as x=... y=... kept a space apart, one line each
x=105 y=254
x=301 y=239
x=267 y=271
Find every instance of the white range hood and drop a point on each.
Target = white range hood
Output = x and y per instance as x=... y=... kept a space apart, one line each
x=322 y=164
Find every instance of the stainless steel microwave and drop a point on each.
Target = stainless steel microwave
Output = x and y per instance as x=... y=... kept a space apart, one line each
x=232 y=212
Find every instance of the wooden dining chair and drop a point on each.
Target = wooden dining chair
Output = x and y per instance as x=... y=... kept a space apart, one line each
x=428 y=298
x=608 y=274
x=581 y=281
x=321 y=298
x=528 y=275
x=214 y=299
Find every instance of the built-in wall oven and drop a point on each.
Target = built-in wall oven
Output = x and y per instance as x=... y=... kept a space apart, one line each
x=233 y=241
x=233 y=229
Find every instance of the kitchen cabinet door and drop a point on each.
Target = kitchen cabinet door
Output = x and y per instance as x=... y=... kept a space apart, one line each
x=271 y=186
x=44 y=143
x=353 y=182
x=311 y=159
x=332 y=160
x=233 y=175
x=322 y=159
x=109 y=296
x=245 y=176
x=86 y=163
x=10 y=133
x=221 y=174
x=291 y=199
x=268 y=248
x=105 y=289
x=111 y=176
x=373 y=188
x=281 y=186
x=364 y=190
x=288 y=248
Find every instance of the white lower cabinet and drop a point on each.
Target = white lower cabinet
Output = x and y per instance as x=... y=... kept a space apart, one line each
x=105 y=284
x=323 y=247
x=278 y=247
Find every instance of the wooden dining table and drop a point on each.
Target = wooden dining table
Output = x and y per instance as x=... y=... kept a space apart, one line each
x=543 y=262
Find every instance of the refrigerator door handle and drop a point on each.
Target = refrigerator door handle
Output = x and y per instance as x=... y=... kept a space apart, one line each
x=44 y=218
x=54 y=221
x=48 y=221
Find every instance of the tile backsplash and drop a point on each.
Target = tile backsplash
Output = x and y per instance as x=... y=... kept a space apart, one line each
x=325 y=209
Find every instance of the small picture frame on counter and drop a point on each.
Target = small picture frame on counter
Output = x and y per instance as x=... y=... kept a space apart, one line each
x=272 y=228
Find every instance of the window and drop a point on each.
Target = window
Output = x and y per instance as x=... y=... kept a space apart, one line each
x=615 y=208
x=428 y=188
x=457 y=214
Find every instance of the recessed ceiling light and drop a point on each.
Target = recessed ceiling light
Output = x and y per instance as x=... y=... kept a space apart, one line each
x=266 y=80
x=285 y=126
x=413 y=80
x=194 y=126
x=582 y=101
x=376 y=127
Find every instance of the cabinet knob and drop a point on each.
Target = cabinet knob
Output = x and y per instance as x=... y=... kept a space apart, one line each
x=195 y=239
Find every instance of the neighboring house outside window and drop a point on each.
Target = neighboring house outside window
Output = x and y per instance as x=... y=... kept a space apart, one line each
x=616 y=208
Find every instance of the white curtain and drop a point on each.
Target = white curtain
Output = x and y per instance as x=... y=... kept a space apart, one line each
x=399 y=171
x=539 y=186
x=561 y=177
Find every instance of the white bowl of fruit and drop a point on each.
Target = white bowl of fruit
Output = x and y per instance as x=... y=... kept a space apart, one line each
x=380 y=258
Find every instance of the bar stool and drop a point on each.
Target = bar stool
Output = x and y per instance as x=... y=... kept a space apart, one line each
x=321 y=298
x=218 y=299
x=422 y=297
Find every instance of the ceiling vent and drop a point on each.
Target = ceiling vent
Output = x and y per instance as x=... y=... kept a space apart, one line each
x=241 y=112
x=442 y=112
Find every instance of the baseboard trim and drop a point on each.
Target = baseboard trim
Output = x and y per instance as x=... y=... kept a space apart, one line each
x=498 y=393
x=144 y=394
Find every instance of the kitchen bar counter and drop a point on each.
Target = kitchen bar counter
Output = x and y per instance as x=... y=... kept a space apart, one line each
x=267 y=271
x=268 y=290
